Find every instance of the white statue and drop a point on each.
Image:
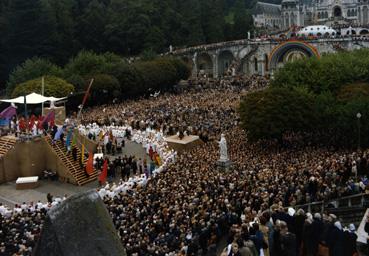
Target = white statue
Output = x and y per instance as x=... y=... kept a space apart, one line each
x=223 y=148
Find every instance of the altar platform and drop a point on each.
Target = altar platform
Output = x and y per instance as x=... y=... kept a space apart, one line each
x=186 y=143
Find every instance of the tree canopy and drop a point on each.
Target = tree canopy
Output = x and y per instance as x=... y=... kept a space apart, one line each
x=319 y=98
x=114 y=77
x=59 y=29
x=54 y=86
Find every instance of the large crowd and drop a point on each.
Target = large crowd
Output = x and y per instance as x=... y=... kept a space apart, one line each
x=246 y=205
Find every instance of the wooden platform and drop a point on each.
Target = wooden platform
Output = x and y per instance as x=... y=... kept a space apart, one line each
x=186 y=143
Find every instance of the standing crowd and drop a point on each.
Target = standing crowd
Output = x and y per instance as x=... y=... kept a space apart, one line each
x=190 y=206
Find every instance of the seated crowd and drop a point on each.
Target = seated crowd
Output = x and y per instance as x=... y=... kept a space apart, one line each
x=189 y=206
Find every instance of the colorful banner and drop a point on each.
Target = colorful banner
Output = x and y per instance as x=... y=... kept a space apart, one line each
x=83 y=154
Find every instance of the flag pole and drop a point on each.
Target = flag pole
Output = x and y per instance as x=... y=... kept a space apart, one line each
x=42 y=93
x=25 y=108
x=84 y=99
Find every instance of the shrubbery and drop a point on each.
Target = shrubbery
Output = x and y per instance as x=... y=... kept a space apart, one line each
x=326 y=74
x=54 y=86
x=319 y=98
x=31 y=69
x=113 y=76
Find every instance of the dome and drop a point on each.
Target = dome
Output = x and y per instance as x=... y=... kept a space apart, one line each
x=316 y=31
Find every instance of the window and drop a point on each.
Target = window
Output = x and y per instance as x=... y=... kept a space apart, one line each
x=256 y=64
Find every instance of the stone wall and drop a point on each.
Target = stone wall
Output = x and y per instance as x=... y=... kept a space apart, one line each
x=31 y=158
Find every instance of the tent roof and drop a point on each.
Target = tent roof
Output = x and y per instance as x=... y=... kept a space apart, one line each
x=33 y=98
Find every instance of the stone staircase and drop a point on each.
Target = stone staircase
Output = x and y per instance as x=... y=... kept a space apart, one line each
x=74 y=167
x=6 y=143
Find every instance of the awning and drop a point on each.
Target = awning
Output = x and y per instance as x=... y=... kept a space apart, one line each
x=33 y=98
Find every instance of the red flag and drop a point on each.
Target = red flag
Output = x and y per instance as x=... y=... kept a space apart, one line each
x=50 y=117
x=90 y=164
x=39 y=123
x=31 y=122
x=87 y=92
x=22 y=124
x=104 y=173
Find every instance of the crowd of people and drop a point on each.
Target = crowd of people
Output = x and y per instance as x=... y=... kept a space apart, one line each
x=189 y=205
x=20 y=226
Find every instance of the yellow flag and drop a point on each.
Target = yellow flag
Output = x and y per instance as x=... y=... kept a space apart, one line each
x=83 y=153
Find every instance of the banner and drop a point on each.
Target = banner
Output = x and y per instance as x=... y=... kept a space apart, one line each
x=83 y=154
x=69 y=137
x=8 y=113
x=90 y=164
x=104 y=173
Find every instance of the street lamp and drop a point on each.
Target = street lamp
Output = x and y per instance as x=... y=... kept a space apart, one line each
x=358 y=116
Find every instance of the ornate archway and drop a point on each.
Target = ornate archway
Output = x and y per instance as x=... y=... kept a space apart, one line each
x=204 y=64
x=225 y=59
x=337 y=11
x=290 y=51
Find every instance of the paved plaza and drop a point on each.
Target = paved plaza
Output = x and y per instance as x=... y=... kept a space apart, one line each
x=10 y=196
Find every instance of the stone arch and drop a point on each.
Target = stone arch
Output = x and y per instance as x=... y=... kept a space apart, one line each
x=337 y=11
x=364 y=32
x=266 y=62
x=204 y=64
x=290 y=51
x=225 y=59
x=365 y=15
x=255 y=62
x=287 y=23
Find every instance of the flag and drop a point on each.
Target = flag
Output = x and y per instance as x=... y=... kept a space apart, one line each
x=83 y=154
x=49 y=118
x=104 y=173
x=69 y=137
x=74 y=140
x=90 y=164
x=87 y=92
x=39 y=123
x=31 y=122
x=8 y=113
x=22 y=124
x=58 y=133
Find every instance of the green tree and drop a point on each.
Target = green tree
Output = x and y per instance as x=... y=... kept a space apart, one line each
x=30 y=29
x=54 y=86
x=271 y=113
x=104 y=89
x=87 y=64
x=91 y=27
x=31 y=69
x=212 y=19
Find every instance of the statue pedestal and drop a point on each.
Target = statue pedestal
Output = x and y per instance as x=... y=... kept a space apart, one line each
x=224 y=164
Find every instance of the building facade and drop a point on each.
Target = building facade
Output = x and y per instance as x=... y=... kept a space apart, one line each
x=311 y=12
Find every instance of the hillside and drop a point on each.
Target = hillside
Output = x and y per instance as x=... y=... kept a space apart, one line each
x=58 y=29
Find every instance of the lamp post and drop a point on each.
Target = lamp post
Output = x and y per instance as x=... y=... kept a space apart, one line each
x=358 y=116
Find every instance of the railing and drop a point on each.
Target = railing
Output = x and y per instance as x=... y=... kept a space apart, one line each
x=358 y=200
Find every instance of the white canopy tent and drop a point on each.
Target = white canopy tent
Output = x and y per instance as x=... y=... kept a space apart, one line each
x=33 y=98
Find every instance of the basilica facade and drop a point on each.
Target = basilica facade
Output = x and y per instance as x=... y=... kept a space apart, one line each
x=311 y=12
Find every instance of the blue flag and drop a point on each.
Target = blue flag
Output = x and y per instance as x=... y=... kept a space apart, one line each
x=69 y=137
x=58 y=133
